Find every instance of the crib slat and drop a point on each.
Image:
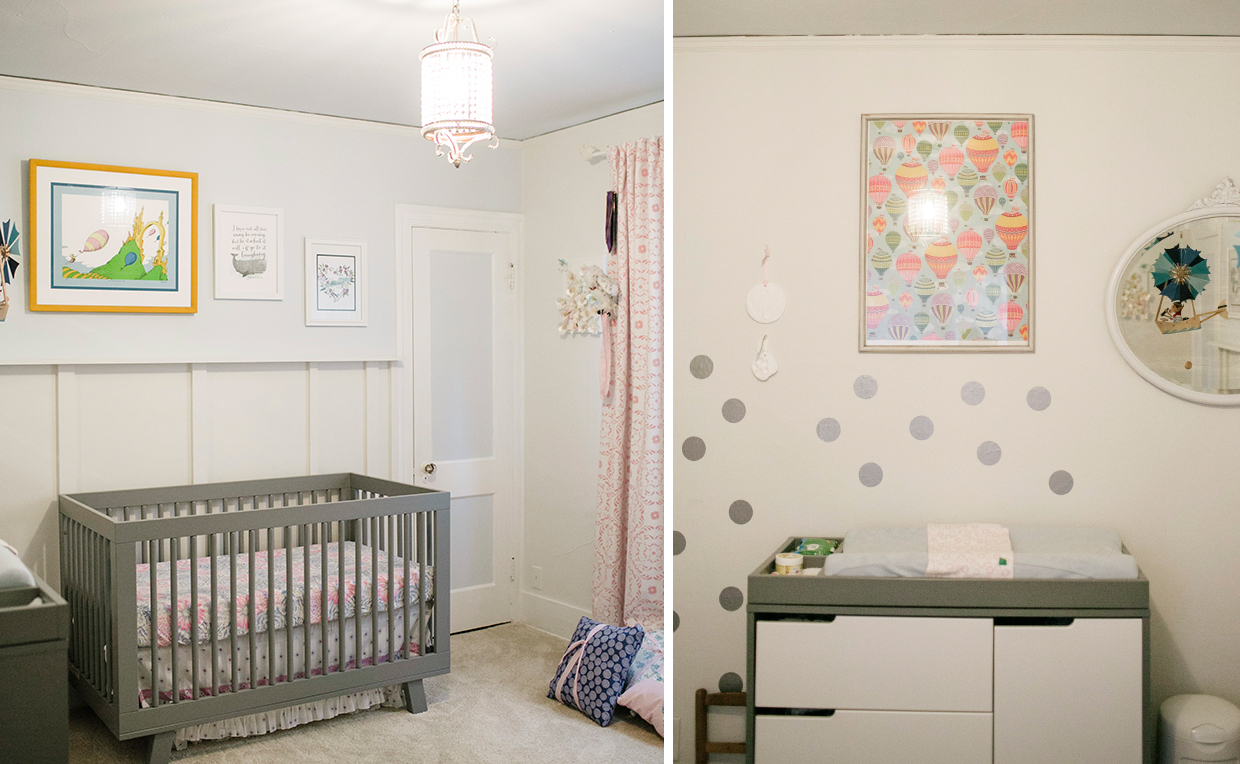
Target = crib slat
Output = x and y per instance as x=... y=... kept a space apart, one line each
x=406 y=628
x=422 y=614
x=232 y=607
x=391 y=594
x=374 y=591
x=110 y=655
x=340 y=592
x=307 y=600
x=324 y=538
x=154 y=625
x=253 y=542
x=271 y=604
x=357 y=594
x=288 y=601
x=212 y=552
x=193 y=610
x=174 y=554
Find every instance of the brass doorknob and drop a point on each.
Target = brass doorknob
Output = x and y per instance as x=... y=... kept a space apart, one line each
x=429 y=468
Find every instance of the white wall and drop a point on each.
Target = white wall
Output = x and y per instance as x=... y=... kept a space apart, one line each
x=1129 y=131
x=334 y=178
x=293 y=399
x=565 y=205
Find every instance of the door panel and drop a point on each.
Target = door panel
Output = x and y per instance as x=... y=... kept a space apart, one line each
x=463 y=382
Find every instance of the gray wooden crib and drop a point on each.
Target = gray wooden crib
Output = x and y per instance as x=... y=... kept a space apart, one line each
x=247 y=564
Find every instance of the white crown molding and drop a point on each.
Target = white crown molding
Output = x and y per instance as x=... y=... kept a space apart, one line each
x=71 y=90
x=1115 y=43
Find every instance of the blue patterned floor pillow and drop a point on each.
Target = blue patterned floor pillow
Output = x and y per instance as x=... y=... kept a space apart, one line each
x=595 y=668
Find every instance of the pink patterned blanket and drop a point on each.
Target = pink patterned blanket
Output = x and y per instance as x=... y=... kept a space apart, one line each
x=266 y=616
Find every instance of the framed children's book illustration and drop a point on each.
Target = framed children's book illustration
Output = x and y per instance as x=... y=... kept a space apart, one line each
x=947 y=233
x=335 y=282
x=112 y=239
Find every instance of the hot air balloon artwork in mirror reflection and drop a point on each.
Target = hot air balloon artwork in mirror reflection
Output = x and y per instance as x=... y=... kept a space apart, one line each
x=957 y=208
x=1174 y=301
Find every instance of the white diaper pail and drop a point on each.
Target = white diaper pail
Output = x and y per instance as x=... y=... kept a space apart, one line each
x=1194 y=728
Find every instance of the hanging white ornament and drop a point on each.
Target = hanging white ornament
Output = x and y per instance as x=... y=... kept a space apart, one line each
x=765 y=302
x=764 y=366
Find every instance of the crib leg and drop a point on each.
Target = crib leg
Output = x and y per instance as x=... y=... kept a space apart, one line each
x=415 y=696
x=159 y=749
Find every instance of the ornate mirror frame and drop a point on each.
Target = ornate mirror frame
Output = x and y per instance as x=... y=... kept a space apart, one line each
x=1224 y=202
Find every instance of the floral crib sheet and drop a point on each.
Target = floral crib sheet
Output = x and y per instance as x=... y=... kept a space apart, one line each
x=265 y=616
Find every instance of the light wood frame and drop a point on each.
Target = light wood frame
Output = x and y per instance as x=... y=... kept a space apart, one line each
x=962 y=347
x=39 y=240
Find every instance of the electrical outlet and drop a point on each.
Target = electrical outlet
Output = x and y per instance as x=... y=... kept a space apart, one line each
x=676 y=740
x=536 y=583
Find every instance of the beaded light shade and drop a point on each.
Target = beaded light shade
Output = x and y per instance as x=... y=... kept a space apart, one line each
x=927 y=215
x=456 y=89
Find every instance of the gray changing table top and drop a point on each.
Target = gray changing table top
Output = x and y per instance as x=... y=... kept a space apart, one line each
x=865 y=591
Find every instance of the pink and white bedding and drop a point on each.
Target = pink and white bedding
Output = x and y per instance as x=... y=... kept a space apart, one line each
x=265 y=615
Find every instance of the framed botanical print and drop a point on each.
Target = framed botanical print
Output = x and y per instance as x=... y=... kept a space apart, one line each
x=335 y=282
x=112 y=239
x=947 y=233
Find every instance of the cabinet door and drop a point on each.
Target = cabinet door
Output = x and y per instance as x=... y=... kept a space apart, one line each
x=875 y=662
x=874 y=737
x=1069 y=693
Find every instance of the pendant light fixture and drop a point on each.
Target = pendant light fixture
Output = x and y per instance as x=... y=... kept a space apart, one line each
x=456 y=89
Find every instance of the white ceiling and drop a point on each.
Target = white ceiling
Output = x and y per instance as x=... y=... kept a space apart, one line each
x=700 y=18
x=557 y=62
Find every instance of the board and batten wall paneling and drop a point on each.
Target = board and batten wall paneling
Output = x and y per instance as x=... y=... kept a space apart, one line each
x=1066 y=436
x=101 y=427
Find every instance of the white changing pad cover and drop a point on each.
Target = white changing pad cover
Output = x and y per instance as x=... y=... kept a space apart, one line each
x=1039 y=553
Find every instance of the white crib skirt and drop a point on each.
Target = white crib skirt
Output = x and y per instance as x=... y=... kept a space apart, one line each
x=261 y=723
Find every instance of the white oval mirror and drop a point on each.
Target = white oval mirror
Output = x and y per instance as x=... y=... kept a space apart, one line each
x=1173 y=305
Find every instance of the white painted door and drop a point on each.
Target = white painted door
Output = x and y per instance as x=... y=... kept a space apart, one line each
x=463 y=432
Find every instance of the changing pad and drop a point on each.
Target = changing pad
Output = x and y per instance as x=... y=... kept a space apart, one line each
x=1037 y=552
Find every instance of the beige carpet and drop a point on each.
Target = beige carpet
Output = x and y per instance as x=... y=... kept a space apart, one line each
x=492 y=709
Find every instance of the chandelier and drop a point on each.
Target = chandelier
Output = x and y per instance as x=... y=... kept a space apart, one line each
x=456 y=89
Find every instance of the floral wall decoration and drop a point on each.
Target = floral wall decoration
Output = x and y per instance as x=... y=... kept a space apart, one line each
x=588 y=294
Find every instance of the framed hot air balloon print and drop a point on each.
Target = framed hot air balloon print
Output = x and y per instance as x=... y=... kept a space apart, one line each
x=947 y=233
x=112 y=239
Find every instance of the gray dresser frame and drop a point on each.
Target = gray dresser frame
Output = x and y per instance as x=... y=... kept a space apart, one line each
x=772 y=597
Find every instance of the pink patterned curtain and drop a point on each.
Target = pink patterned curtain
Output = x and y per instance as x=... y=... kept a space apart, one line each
x=628 y=549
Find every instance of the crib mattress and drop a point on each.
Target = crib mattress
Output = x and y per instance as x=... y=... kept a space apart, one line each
x=265 y=616
x=1037 y=552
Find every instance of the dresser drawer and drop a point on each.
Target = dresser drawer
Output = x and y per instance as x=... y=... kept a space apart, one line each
x=875 y=663
x=874 y=737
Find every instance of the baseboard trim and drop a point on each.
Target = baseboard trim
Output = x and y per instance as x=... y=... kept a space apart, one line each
x=552 y=616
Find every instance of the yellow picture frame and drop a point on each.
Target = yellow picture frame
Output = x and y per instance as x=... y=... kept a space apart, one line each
x=88 y=235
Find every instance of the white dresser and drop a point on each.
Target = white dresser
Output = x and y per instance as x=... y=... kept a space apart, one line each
x=948 y=671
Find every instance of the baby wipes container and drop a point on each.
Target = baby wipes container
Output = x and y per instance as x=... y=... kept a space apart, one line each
x=1195 y=728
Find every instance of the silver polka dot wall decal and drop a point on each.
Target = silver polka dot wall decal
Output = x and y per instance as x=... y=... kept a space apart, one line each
x=988 y=453
x=741 y=511
x=731 y=682
x=733 y=410
x=972 y=393
x=1061 y=482
x=731 y=598
x=678 y=542
x=701 y=366
x=921 y=427
x=865 y=386
x=870 y=474
x=828 y=430
x=693 y=448
x=675 y=620
x=1039 y=399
